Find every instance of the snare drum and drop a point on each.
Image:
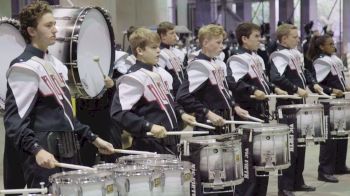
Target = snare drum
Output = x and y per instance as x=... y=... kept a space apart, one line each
x=218 y=162
x=270 y=146
x=12 y=44
x=83 y=183
x=84 y=33
x=307 y=121
x=178 y=174
x=337 y=111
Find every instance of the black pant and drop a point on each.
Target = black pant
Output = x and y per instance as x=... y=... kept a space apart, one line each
x=12 y=162
x=332 y=156
x=292 y=177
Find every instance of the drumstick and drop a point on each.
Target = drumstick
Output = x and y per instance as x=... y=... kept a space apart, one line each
x=203 y=125
x=320 y=96
x=72 y=166
x=254 y=118
x=239 y=122
x=182 y=132
x=97 y=60
x=279 y=96
x=132 y=151
x=20 y=191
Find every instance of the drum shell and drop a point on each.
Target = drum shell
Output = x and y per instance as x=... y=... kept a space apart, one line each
x=307 y=120
x=337 y=111
x=269 y=141
x=83 y=183
x=217 y=152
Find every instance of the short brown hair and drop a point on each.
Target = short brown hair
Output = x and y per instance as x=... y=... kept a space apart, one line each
x=164 y=27
x=284 y=30
x=141 y=38
x=245 y=29
x=210 y=31
x=30 y=15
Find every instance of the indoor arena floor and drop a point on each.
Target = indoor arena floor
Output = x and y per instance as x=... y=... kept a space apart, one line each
x=310 y=174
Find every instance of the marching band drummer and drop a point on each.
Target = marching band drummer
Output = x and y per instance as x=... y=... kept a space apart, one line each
x=170 y=58
x=205 y=92
x=330 y=76
x=143 y=102
x=288 y=73
x=247 y=68
x=38 y=109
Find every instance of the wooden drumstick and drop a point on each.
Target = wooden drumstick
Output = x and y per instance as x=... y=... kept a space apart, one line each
x=254 y=119
x=23 y=191
x=203 y=125
x=97 y=60
x=132 y=151
x=72 y=166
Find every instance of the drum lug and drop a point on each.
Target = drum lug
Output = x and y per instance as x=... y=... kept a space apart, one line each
x=217 y=175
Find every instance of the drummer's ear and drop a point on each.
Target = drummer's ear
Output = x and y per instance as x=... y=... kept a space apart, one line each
x=139 y=51
x=31 y=31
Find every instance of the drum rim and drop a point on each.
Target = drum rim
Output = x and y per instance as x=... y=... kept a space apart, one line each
x=213 y=139
x=265 y=128
x=299 y=106
x=334 y=101
x=87 y=177
x=74 y=45
x=149 y=156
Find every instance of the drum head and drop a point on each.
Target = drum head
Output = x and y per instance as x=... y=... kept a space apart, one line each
x=12 y=44
x=94 y=40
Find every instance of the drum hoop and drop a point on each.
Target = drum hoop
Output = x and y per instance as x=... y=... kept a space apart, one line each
x=146 y=156
x=300 y=106
x=334 y=101
x=266 y=129
x=74 y=45
x=88 y=177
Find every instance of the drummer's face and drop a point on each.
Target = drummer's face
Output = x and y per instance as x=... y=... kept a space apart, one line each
x=44 y=34
x=150 y=55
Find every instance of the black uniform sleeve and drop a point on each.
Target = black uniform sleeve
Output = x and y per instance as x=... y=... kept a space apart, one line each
x=21 y=97
x=127 y=94
x=281 y=80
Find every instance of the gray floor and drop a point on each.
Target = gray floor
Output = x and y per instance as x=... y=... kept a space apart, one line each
x=323 y=189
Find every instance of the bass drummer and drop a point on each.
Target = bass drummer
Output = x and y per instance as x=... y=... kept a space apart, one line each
x=288 y=73
x=247 y=68
x=38 y=113
x=331 y=78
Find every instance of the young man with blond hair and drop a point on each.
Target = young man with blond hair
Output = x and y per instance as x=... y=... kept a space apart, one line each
x=287 y=71
x=143 y=102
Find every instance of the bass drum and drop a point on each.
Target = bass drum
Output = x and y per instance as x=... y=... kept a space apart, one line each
x=12 y=44
x=85 y=43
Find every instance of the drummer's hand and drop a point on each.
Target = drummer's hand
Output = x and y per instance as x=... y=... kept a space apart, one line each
x=241 y=112
x=337 y=92
x=259 y=95
x=279 y=91
x=103 y=146
x=45 y=159
x=301 y=92
x=109 y=83
x=318 y=89
x=158 y=131
x=347 y=88
x=215 y=119
x=189 y=119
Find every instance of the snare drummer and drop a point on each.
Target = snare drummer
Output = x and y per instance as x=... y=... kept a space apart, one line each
x=331 y=78
x=143 y=102
x=288 y=73
x=205 y=92
x=38 y=101
x=247 y=68
x=169 y=56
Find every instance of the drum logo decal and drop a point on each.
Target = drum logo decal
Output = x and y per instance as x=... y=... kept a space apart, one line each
x=157 y=182
x=187 y=177
x=109 y=188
